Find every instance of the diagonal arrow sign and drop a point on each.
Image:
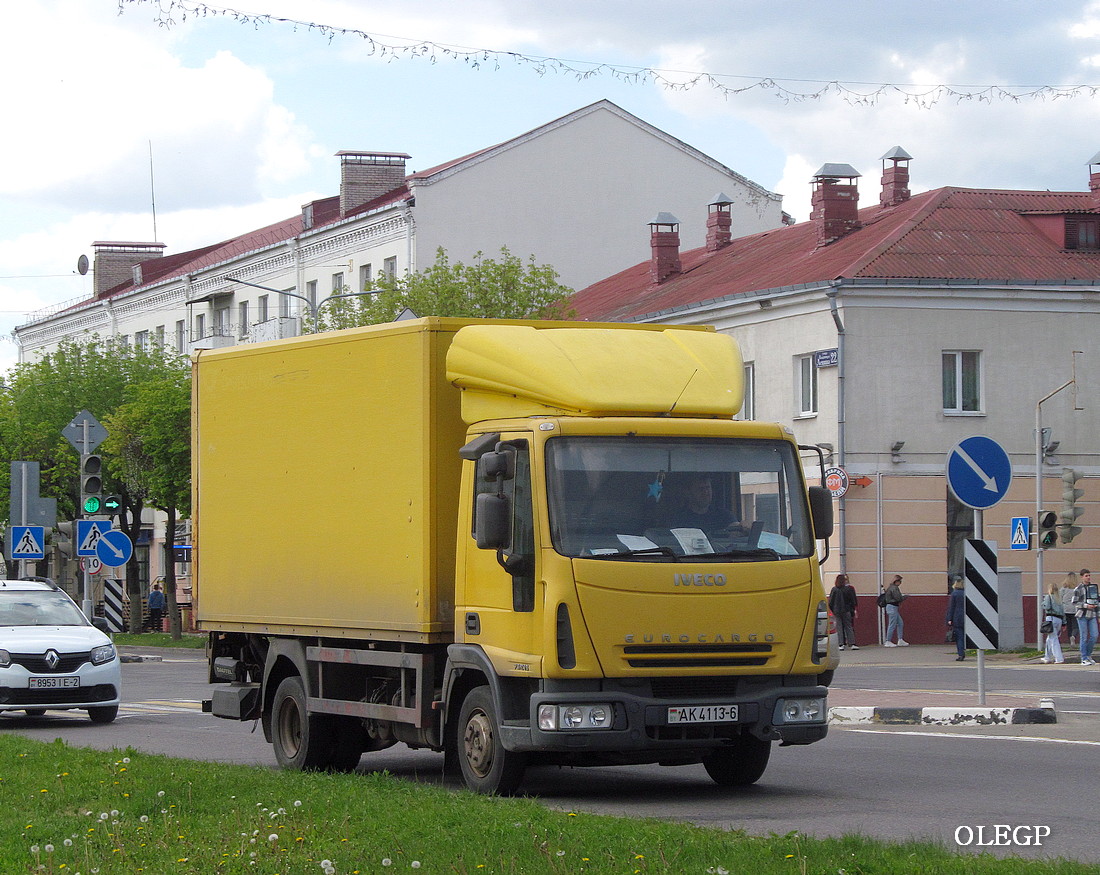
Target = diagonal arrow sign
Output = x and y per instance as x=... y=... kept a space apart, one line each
x=987 y=481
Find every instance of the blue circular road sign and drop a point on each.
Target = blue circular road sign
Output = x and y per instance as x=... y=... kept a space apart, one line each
x=114 y=548
x=979 y=472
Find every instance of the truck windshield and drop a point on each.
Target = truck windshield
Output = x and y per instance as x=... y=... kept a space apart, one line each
x=664 y=499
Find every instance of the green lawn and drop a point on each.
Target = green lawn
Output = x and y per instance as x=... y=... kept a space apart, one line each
x=74 y=810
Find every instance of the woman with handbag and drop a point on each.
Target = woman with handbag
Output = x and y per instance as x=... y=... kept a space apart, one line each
x=956 y=617
x=1054 y=615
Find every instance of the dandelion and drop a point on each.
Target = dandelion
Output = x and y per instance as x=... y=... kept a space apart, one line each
x=415 y=864
x=49 y=849
x=561 y=853
x=103 y=815
x=273 y=838
x=34 y=849
x=144 y=818
x=160 y=793
x=68 y=843
x=386 y=861
x=297 y=803
x=326 y=863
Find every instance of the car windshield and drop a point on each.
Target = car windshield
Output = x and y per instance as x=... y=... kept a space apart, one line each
x=22 y=608
x=663 y=499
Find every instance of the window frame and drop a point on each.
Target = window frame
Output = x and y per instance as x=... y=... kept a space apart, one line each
x=806 y=368
x=959 y=381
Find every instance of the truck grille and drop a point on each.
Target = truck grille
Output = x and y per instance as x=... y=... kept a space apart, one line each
x=692 y=688
x=696 y=655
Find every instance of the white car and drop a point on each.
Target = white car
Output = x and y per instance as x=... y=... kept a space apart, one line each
x=51 y=657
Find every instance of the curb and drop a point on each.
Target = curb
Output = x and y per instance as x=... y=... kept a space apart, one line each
x=845 y=715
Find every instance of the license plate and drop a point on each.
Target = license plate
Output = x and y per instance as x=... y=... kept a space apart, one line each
x=54 y=683
x=702 y=714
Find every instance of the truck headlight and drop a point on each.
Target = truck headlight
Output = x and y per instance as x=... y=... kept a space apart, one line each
x=553 y=718
x=809 y=710
x=103 y=653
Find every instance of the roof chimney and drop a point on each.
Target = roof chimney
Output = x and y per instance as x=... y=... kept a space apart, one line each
x=718 y=222
x=115 y=262
x=835 y=205
x=895 y=178
x=664 y=243
x=1094 y=175
x=367 y=175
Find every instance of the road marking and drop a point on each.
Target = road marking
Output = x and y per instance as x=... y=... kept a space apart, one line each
x=981 y=737
x=155 y=705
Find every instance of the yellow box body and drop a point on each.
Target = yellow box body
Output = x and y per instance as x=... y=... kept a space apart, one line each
x=326 y=471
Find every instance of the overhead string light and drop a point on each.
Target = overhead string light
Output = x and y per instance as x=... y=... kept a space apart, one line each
x=169 y=13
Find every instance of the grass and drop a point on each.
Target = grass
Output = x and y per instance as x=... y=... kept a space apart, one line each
x=160 y=639
x=79 y=811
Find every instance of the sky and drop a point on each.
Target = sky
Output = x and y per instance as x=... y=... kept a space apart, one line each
x=188 y=123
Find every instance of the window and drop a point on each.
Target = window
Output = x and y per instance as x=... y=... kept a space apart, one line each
x=181 y=336
x=389 y=266
x=806 y=382
x=158 y=335
x=200 y=326
x=364 y=277
x=261 y=307
x=311 y=292
x=1082 y=233
x=284 y=305
x=242 y=318
x=221 y=320
x=141 y=340
x=748 y=407
x=962 y=381
x=338 y=283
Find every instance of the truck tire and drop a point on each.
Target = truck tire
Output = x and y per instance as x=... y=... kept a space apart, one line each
x=486 y=766
x=739 y=764
x=302 y=741
x=103 y=714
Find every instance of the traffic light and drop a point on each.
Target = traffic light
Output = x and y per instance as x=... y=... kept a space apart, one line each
x=1047 y=529
x=1070 y=510
x=63 y=538
x=112 y=505
x=91 y=484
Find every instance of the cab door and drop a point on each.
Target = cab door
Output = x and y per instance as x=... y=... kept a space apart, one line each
x=500 y=610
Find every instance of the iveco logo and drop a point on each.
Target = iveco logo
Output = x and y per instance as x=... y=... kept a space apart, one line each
x=52 y=659
x=698 y=580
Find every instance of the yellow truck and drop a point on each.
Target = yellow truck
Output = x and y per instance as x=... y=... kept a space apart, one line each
x=513 y=543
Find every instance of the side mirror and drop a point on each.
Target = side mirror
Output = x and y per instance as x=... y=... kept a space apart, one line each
x=821 y=511
x=493 y=523
x=101 y=624
x=500 y=463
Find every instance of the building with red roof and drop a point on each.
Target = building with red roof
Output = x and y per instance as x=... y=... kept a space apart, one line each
x=568 y=193
x=886 y=336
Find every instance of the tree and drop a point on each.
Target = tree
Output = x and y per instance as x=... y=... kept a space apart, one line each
x=43 y=396
x=150 y=452
x=489 y=288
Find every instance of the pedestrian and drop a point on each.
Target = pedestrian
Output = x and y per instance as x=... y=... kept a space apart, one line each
x=956 y=616
x=894 y=621
x=1069 y=584
x=1086 y=603
x=156 y=608
x=843 y=603
x=1053 y=613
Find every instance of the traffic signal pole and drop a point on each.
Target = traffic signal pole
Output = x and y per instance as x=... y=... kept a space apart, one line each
x=1039 y=548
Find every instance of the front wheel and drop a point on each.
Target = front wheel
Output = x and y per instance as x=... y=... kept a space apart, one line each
x=486 y=766
x=103 y=714
x=739 y=764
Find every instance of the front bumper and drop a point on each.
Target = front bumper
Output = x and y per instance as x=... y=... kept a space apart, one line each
x=100 y=685
x=641 y=725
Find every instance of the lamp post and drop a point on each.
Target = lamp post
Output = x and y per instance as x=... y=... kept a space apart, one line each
x=1039 y=548
x=314 y=309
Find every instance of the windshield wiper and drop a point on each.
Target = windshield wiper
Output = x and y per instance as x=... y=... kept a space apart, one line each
x=642 y=551
x=750 y=553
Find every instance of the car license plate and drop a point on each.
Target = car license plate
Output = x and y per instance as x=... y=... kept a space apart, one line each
x=702 y=714
x=54 y=683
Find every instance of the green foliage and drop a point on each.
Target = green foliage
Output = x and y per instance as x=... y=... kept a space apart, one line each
x=489 y=288
x=42 y=397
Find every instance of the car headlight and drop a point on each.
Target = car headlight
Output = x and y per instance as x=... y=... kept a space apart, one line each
x=810 y=710
x=556 y=717
x=103 y=653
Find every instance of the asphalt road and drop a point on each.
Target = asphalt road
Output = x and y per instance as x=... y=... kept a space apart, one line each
x=891 y=782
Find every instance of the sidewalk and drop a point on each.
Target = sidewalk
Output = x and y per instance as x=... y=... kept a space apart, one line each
x=932 y=707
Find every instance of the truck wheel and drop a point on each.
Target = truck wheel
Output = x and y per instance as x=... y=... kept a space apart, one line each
x=739 y=764
x=103 y=714
x=299 y=738
x=486 y=766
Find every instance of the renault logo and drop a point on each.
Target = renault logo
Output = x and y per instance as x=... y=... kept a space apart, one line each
x=52 y=659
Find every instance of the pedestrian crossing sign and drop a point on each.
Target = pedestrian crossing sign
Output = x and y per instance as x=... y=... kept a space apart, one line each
x=1021 y=533
x=27 y=542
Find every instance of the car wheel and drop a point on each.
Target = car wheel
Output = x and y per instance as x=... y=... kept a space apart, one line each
x=739 y=764
x=103 y=714
x=486 y=766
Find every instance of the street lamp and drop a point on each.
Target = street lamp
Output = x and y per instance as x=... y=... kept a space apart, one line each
x=314 y=309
